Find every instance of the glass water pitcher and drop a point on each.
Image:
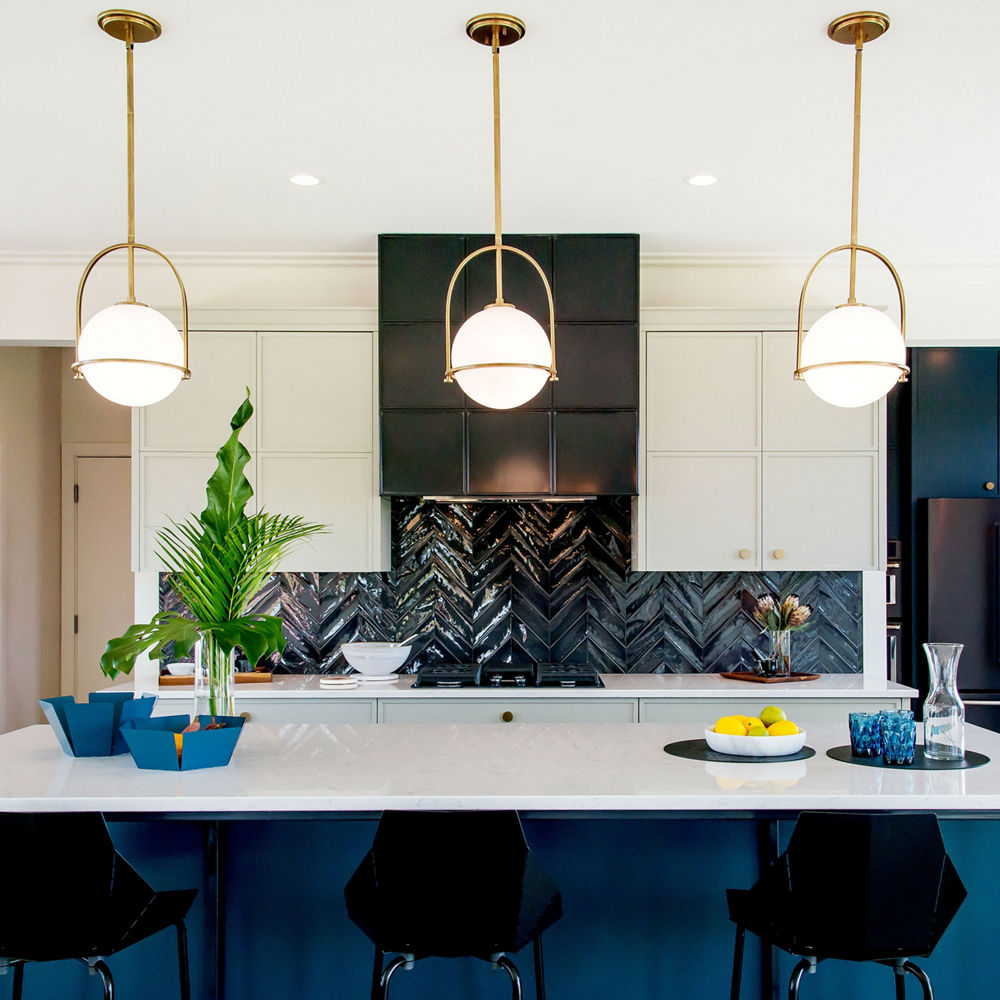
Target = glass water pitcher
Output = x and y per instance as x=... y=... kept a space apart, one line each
x=944 y=713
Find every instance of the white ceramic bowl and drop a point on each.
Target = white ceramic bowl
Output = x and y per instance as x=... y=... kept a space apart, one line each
x=755 y=746
x=180 y=669
x=375 y=658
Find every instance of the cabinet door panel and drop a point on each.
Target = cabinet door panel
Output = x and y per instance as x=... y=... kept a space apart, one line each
x=596 y=278
x=497 y=708
x=173 y=488
x=598 y=366
x=702 y=511
x=334 y=490
x=596 y=452
x=795 y=419
x=423 y=452
x=411 y=368
x=821 y=512
x=509 y=452
x=955 y=422
x=703 y=392
x=195 y=417
x=413 y=276
x=316 y=392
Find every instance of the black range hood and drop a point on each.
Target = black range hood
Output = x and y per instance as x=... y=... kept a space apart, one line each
x=578 y=438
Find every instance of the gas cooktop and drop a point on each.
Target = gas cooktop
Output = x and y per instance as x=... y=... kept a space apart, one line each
x=507 y=675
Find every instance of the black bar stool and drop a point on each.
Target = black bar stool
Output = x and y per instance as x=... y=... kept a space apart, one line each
x=461 y=884
x=69 y=894
x=865 y=887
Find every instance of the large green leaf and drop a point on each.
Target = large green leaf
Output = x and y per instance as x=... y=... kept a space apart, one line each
x=229 y=490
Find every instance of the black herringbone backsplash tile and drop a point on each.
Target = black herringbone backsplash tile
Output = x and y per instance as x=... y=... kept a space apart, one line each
x=547 y=581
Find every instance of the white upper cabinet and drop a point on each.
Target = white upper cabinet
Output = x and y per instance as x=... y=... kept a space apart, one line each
x=743 y=468
x=702 y=393
x=316 y=392
x=312 y=440
x=796 y=419
x=195 y=417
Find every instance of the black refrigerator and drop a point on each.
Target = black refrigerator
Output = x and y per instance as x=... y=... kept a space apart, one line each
x=959 y=582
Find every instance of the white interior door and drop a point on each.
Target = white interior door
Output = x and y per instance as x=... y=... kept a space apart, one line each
x=103 y=588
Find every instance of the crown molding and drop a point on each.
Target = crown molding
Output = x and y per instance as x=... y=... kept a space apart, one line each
x=364 y=259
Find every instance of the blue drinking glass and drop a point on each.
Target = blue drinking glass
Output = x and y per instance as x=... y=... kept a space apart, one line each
x=866 y=734
x=899 y=738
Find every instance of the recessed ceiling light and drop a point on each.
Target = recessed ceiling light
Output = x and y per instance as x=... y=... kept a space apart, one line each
x=702 y=180
x=304 y=180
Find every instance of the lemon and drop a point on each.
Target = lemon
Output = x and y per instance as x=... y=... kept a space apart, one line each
x=772 y=714
x=782 y=728
x=756 y=731
x=731 y=725
x=751 y=722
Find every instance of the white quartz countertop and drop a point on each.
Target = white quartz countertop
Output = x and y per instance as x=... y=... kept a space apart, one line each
x=558 y=768
x=615 y=685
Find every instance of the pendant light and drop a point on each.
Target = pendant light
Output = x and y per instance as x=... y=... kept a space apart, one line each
x=854 y=354
x=128 y=352
x=501 y=356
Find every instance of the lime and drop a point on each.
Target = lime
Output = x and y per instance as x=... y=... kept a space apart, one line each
x=756 y=731
x=772 y=714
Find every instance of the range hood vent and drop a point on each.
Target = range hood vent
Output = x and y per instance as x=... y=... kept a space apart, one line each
x=577 y=439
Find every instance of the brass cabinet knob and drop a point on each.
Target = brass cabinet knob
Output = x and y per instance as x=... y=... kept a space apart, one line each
x=779 y=553
x=744 y=553
x=990 y=486
x=507 y=716
x=245 y=715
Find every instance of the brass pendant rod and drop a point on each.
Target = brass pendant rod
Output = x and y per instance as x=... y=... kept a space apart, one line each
x=859 y=41
x=130 y=157
x=496 y=161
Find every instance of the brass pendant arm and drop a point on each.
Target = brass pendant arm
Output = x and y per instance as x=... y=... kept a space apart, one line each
x=131 y=247
x=496 y=162
x=130 y=156
x=854 y=248
x=449 y=372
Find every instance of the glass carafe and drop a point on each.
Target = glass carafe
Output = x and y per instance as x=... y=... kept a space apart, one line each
x=944 y=713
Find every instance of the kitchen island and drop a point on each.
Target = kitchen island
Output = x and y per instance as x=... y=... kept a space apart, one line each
x=642 y=844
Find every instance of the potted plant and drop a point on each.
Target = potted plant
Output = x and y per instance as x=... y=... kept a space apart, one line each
x=217 y=562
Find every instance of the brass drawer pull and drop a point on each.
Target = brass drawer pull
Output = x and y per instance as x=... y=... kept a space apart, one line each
x=779 y=553
x=744 y=553
x=990 y=486
x=507 y=716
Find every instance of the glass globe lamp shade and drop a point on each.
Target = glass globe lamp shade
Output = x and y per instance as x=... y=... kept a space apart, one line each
x=858 y=334
x=501 y=334
x=130 y=330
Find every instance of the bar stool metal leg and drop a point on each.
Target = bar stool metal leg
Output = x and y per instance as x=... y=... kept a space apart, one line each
x=539 y=970
x=18 y=980
x=796 y=978
x=390 y=970
x=899 y=972
x=734 y=989
x=376 y=990
x=109 y=983
x=515 y=979
x=182 y=961
x=921 y=977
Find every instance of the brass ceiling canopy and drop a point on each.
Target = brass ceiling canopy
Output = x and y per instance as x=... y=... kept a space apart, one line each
x=480 y=29
x=844 y=29
x=118 y=22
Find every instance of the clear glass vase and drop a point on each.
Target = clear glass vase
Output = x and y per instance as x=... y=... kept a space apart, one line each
x=780 y=657
x=214 y=678
x=944 y=713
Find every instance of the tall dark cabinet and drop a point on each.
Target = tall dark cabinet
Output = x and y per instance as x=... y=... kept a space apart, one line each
x=949 y=447
x=578 y=436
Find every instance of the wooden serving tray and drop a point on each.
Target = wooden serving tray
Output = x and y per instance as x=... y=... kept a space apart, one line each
x=757 y=679
x=253 y=677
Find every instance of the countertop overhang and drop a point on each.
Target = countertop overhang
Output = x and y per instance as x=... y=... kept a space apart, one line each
x=682 y=686
x=539 y=768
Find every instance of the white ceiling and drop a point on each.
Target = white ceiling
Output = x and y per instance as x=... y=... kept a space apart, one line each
x=606 y=110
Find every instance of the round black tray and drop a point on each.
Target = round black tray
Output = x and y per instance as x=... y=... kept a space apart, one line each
x=920 y=762
x=699 y=750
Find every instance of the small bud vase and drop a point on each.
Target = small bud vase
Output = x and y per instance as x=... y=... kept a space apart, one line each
x=780 y=657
